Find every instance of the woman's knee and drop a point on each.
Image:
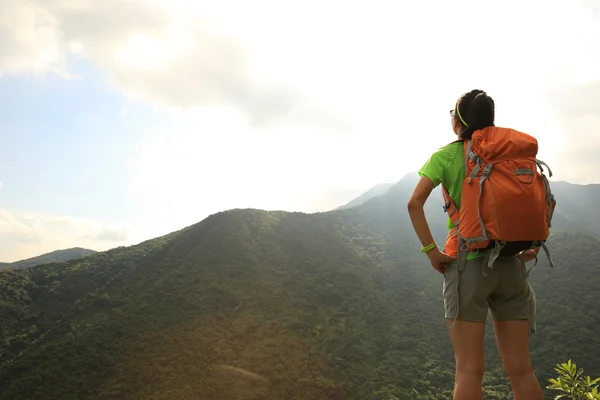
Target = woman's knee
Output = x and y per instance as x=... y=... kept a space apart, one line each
x=512 y=338
x=518 y=367
x=474 y=369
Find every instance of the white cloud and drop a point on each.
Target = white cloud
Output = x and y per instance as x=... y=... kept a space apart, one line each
x=30 y=38
x=333 y=61
x=149 y=49
x=1 y=185
x=24 y=235
x=579 y=159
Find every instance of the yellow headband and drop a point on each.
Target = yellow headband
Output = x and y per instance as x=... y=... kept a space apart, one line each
x=458 y=113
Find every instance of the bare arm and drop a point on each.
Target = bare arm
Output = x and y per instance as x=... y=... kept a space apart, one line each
x=417 y=213
x=417 y=216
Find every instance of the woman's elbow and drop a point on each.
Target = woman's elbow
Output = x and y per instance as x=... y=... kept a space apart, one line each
x=414 y=204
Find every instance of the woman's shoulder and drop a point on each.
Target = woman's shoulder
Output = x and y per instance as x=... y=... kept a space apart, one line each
x=442 y=160
x=457 y=144
x=449 y=149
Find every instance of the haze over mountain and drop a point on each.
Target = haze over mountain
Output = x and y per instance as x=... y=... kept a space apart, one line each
x=575 y=210
x=377 y=190
x=56 y=256
x=250 y=304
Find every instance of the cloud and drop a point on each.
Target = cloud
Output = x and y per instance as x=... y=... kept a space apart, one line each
x=271 y=60
x=151 y=52
x=577 y=100
x=25 y=234
x=205 y=70
x=118 y=234
x=17 y=229
x=1 y=185
x=577 y=114
x=30 y=38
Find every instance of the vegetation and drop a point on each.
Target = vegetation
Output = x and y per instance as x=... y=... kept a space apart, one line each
x=573 y=385
x=57 y=256
x=255 y=305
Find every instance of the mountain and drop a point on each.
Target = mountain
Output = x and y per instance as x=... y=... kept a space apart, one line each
x=249 y=304
x=577 y=207
x=375 y=191
x=56 y=256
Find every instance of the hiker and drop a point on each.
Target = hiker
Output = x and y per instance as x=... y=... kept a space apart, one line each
x=480 y=274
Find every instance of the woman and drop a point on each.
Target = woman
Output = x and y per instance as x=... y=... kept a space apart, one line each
x=470 y=291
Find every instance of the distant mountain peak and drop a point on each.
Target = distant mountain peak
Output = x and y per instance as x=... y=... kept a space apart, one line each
x=375 y=191
x=408 y=180
x=56 y=256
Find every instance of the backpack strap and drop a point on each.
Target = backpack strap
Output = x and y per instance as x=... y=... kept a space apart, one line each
x=475 y=158
x=493 y=255
x=450 y=207
x=551 y=204
x=540 y=163
x=550 y=261
x=549 y=195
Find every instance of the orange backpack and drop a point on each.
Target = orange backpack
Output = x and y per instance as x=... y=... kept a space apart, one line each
x=506 y=203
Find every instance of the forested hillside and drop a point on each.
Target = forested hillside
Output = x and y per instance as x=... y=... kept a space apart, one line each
x=250 y=304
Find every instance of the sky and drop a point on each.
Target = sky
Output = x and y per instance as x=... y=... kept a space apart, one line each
x=124 y=120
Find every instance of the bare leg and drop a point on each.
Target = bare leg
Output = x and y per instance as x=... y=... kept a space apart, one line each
x=467 y=341
x=512 y=339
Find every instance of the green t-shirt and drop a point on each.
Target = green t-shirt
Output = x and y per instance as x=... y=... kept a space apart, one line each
x=447 y=166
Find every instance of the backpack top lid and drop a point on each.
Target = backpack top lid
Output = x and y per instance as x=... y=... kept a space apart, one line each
x=495 y=144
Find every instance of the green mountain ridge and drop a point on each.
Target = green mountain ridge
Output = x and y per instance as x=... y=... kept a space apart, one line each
x=56 y=256
x=250 y=304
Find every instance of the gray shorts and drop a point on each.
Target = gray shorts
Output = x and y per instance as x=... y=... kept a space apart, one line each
x=504 y=289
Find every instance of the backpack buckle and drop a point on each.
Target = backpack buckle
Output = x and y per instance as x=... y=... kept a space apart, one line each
x=487 y=169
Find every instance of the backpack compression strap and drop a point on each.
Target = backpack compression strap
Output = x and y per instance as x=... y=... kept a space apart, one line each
x=450 y=207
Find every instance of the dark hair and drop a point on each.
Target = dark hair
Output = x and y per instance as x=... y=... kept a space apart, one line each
x=475 y=110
